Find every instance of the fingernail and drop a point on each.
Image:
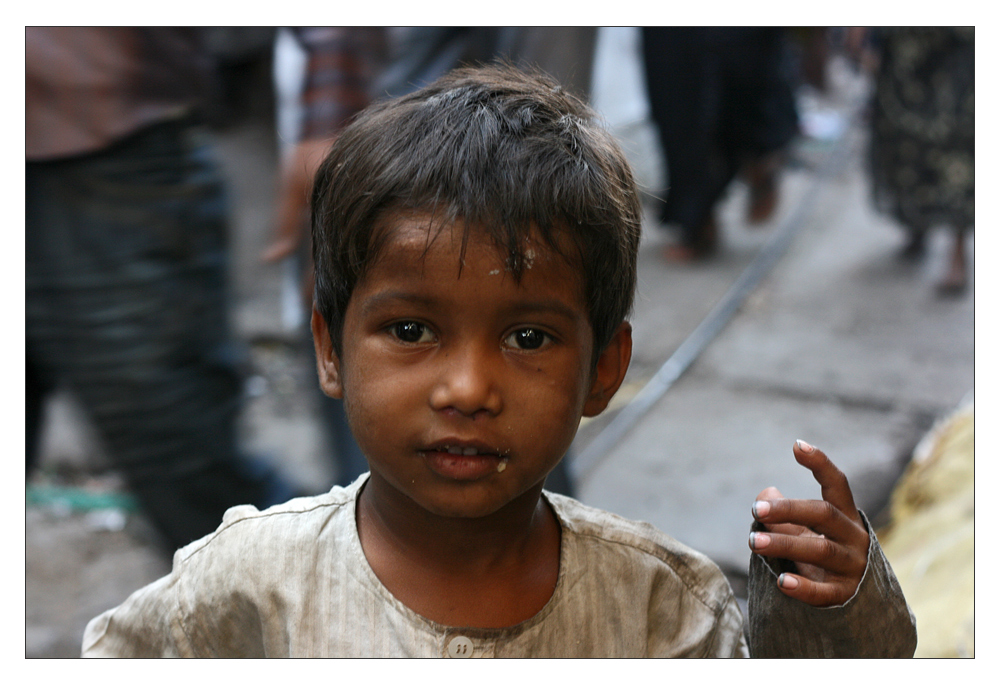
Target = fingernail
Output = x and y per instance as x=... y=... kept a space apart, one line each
x=759 y=540
x=803 y=446
x=761 y=508
x=788 y=582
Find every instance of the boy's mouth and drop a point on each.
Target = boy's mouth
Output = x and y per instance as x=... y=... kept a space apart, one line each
x=458 y=450
x=463 y=461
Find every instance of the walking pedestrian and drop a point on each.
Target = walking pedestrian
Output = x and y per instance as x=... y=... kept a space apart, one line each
x=923 y=135
x=125 y=260
x=723 y=104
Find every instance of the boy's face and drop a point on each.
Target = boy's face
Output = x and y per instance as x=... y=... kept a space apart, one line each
x=465 y=390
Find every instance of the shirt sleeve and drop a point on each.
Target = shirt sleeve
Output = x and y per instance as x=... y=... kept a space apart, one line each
x=202 y=608
x=875 y=623
x=342 y=64
x=146 y=625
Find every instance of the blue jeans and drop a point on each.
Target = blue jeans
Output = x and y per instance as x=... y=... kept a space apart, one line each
x=125 y=304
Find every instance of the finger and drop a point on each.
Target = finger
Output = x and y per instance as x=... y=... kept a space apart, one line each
x=815 y=516
x=762 y=505
x=818 y=551
x=789 y=529
x=817 y=593
x=833 y=483
x=769 y=493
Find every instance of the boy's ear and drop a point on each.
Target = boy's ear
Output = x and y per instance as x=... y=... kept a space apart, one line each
x=327 y=362
x=610 y=371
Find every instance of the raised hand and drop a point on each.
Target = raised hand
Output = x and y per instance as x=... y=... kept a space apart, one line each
x=826 y=539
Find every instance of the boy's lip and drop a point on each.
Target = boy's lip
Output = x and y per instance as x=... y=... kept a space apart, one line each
x=463 y=460
x=465 y=447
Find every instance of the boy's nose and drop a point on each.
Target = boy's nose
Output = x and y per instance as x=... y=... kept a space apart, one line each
x=468 y=382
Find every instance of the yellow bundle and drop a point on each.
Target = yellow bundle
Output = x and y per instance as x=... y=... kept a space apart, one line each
x=930 y=540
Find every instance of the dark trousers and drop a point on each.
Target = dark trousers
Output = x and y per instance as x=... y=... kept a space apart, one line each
x=720 y=97
x=125 y=304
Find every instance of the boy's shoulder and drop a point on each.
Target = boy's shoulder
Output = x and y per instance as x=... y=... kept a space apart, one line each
x=257 y=563
x=299 y=522
x=610 y=535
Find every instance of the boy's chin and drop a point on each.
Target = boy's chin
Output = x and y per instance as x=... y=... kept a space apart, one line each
x=477 y=501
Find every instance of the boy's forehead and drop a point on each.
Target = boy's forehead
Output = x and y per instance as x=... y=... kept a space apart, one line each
x=416 y=234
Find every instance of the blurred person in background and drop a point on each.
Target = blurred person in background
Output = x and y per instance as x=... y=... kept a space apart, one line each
x=421 y=54
x=812 y=46
x=722 y=100
x=923 y=135
x=126 y=256
x=323 y=76
x=344 y=69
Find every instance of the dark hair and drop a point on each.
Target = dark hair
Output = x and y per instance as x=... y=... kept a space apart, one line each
x=501 y=149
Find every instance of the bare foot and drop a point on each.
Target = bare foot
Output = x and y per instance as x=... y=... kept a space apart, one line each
x=953 y=285
x=702 y=248
x=681 y=254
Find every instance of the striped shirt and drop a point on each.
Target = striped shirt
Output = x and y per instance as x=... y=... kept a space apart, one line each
x=341 y=66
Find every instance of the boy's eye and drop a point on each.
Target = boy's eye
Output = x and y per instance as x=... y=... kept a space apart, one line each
x=411 y=332
x=527 y=339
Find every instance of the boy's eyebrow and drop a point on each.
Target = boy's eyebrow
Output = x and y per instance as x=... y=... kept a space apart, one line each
x=545 y=305
x=548 y=305
x=378 y=299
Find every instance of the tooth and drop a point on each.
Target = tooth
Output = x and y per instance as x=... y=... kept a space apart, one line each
x=469 y=451
x=453 y=450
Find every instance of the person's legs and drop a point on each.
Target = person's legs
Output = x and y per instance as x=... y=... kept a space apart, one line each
x=682 y=90
x=126 y=301
x=759 y=117
x=956 y=280
x=36 y=390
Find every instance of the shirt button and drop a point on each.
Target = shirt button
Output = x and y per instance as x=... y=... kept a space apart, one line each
x=460 y=646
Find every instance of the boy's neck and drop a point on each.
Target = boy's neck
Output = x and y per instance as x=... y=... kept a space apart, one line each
x=454 y=542
x=485 y=572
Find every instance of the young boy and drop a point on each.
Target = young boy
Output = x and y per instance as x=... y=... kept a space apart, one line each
x=475 y=256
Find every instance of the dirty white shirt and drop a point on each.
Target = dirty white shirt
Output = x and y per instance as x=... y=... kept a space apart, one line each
x=293 y=581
